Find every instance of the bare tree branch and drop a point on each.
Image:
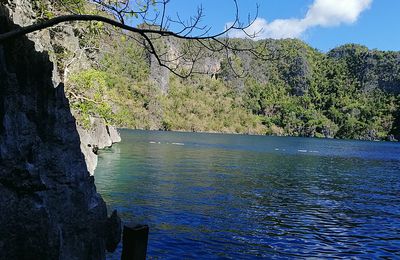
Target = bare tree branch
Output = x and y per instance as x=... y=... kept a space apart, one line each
x=197 y=36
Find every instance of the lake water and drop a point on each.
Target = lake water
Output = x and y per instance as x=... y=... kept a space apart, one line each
x=212 y=196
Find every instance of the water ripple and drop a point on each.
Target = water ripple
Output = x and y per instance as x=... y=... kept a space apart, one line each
x=242 y=197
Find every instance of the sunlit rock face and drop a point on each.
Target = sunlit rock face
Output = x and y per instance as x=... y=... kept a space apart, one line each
x=49 y=205
x=98 y=135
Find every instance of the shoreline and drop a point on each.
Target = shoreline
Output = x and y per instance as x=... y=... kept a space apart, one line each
x=249 y=134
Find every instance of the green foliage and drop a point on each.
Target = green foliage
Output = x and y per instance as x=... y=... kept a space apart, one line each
x=127 y=61
x=61 y=56
x=118 y=90
x=42 y=9
x=46 y=10
x=97 y=104
x=306 y=93
x=300 y=92
x=76 y=6
x=210 y=106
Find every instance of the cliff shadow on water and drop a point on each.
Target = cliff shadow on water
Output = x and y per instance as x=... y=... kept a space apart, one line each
x=49 y=207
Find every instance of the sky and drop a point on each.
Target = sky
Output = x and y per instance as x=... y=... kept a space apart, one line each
x=324 y=24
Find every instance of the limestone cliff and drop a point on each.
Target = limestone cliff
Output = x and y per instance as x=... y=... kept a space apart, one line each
x=98 y=136
x=49 y=205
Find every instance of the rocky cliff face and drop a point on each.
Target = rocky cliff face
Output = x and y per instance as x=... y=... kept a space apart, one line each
x=69 y=57
x=49 y=205
x=98 y=136
x=374 y=69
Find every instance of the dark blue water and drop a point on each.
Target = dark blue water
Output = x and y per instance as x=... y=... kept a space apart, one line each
x=208 y=196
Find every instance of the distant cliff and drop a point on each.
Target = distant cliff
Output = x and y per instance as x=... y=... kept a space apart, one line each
x=374 y=69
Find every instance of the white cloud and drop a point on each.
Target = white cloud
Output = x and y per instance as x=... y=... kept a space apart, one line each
x=323 y=13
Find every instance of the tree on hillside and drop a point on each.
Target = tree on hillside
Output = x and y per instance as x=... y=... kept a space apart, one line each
x=149 y=20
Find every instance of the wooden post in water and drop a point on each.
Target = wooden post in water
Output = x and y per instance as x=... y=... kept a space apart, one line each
x=134 y=242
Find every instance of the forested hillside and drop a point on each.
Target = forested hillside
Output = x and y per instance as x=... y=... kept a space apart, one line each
x=349 y=92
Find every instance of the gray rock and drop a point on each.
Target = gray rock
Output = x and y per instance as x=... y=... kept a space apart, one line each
x=98 y=136
x=99 y=133
x=87 y=146
x=49 y=205
x=114 y=135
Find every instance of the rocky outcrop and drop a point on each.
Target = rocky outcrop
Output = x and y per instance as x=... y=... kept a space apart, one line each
x=159 y=75
x=114 y=134
x=374 y=69
x=98 y=136
x=58 y=42
x=49 y=205
x=89 y=151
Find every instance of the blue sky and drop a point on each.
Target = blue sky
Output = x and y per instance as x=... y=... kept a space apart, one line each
x=324 y=24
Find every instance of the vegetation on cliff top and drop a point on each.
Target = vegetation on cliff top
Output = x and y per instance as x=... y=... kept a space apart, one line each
x=301 y=92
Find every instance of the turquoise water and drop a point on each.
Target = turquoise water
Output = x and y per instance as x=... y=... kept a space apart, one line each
x=210 y=196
